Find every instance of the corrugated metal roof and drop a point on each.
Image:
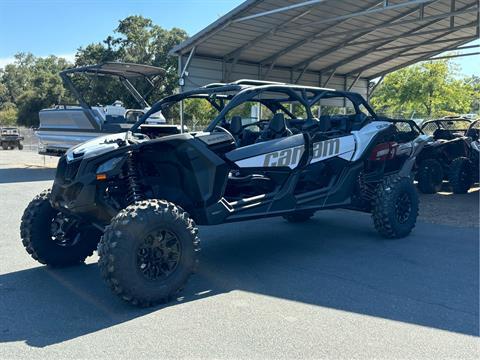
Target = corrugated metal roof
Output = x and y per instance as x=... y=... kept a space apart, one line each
x=367 y=37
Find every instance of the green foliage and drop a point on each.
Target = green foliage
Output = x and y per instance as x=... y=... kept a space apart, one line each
x=474 y=83
x=428 y=89
x=136 y=40
x=31 y=84
x=198 y=113
x=8 y=114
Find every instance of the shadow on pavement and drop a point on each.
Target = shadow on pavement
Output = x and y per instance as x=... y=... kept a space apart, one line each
x=335 y=261
x=14 y=175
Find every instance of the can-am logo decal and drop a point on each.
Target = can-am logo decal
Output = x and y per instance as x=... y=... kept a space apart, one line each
x=285 y=157
x=292 y=156
x=343 y=147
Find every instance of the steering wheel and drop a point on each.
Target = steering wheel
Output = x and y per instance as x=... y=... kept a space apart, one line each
x=219 y=128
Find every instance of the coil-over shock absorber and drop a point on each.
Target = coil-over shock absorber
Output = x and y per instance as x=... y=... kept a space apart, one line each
x=135 y=192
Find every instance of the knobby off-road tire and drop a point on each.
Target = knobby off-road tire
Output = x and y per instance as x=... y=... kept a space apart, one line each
x=299 y=216
x=395 y=207
x=461 y=175
x=44 y=246
x=430 y=176
x=148 y=252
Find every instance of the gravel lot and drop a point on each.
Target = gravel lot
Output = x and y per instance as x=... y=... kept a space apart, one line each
x=330 y=288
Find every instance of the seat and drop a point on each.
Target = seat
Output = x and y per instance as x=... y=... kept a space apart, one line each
x=236 y=128
x=312 y=124
x=443 y=134
x=276 y=128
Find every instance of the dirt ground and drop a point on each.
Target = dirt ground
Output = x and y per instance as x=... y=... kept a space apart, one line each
x=451 y=209
x=443 y=208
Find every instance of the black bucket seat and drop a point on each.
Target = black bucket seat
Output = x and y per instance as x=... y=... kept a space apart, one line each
x=275 y=129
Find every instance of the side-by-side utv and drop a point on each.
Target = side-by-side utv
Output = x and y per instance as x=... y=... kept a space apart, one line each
x=437 y=161
x=10 y=138
x=140 y=197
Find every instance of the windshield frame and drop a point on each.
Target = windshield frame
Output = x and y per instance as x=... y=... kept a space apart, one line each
x=203 y=92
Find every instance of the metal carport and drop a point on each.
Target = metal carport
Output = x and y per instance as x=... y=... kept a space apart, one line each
x=340 y=44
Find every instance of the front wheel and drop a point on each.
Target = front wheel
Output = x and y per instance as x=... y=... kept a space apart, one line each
x=20 y=146
x=395 y=207
x=461 y=175
x=53 y=238
x=148 y=252
x=430 y=176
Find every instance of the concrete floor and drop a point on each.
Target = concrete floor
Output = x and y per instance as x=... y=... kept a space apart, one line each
x=329 y=288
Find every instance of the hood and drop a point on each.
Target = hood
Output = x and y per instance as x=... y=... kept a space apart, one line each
x=96 y=146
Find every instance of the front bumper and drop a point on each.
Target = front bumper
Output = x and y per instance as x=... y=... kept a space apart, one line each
x=11 y=138
x=75 y=191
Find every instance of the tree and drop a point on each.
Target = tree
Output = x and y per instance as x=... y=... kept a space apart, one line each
x=136 y=39
x=8 y=114
x=30 y=84
x=431 y=88
x=474 y=82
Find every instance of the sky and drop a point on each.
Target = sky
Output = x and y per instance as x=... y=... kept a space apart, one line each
x=60 y=27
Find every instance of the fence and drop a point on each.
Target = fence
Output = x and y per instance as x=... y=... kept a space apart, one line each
x=30 y=142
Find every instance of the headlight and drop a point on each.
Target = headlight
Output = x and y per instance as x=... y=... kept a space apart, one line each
x=109 y=165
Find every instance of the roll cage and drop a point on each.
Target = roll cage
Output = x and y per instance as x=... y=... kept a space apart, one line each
x=446 y=125
x=242 y=91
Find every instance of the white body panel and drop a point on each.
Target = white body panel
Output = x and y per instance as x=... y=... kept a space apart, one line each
x=343 y=147
x=364 y=136
x=350 y=148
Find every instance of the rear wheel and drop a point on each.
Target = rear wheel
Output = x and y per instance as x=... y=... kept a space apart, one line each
x=148 y=252
x=53 y=238
x=430 y=176
x=461 y=175
x=395 y=207
x=299 y=216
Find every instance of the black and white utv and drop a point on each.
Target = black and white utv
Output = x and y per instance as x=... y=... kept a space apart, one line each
x=438 y=162
x=464 y=170
x=272 y=150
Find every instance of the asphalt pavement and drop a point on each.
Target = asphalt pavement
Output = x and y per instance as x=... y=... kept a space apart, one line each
x=266 y=289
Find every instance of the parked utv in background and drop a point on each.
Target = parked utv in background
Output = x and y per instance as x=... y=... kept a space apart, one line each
x=140 y=197
x=10 y=138
x=464 y=170
x=437 y=161
x=64 y=126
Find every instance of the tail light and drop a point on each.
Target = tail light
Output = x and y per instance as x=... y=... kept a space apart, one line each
x=384 y=151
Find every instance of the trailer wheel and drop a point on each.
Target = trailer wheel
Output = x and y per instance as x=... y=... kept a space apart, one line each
x=395 y=207
x=148 y=252
x=461 y=175
x=430 y=176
